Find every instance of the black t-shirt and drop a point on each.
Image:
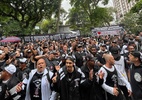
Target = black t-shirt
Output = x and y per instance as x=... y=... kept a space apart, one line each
x=3 y=89
x=35 y=87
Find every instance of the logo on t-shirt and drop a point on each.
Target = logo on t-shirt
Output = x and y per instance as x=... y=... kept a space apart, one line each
x=138 y=77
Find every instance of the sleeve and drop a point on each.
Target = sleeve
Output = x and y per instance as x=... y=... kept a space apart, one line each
x=104 y=85
x=82 y=76
x=120 y=76
x=53 y=95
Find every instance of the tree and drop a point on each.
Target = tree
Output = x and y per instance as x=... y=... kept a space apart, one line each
x=79 y=19
x=131 y=22
x=88 y=6
x=48 y=25
x=137 y=7
x=28 y=12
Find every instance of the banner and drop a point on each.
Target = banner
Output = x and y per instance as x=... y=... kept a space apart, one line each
x=110 y=30
x=58 y=36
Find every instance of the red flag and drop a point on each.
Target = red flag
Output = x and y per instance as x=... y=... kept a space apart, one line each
x=99 y=33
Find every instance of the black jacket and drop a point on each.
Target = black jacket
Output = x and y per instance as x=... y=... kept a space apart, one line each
x=79 y=58
x=69 y=87
x=3 y=88
x=92 y=90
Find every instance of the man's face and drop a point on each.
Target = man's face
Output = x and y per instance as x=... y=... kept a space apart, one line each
x=52 y=56
x=93 y=51
x=132 y=58
x=45 y=49
x=111 y=61
x=131 y=48
x=41 y=65
x=80 y=48
x=103 y=48
x=29 y=54
x=69 y=66
x=65 y=48
x=2 y=56
x=4 y=74
x=21 y=65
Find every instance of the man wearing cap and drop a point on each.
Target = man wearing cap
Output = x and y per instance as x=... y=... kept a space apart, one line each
x=50 y=60
x=121 y=65
x=23 y=70
x=80 y=55
x=30 y=59
x=100 y=60
x=136 y=74
x=8 y=83
x=22 y=73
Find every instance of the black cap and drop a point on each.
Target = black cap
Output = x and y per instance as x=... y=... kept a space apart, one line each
x=103 y=45
x=114 y=50
x=136 y=54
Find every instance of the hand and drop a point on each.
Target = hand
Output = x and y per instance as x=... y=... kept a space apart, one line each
x=9 y=61
x=115 y=91
x=19 y=87
x=54 y=79
x=101 y=75
x=130 y=93
x=57 y=67
x=91 y=73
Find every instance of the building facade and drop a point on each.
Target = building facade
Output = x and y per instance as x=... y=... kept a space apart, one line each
x=122 y=7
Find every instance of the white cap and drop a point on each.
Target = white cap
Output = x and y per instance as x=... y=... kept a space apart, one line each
x=1 y=51
x=23 y=60
x=11 y=69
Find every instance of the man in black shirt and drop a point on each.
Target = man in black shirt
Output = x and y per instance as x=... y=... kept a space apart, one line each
x=136 y=74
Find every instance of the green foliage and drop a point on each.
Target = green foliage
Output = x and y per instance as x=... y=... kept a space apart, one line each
x=28 y=12
x=137 y=7
x=47 y=25
x=86 y=14
x=132 y=22
x=101 y=16
x=79 y=19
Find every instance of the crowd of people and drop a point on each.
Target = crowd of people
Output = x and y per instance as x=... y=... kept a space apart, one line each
x=83 y=68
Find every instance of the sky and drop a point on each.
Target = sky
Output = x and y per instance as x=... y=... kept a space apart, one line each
x=67 y=6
